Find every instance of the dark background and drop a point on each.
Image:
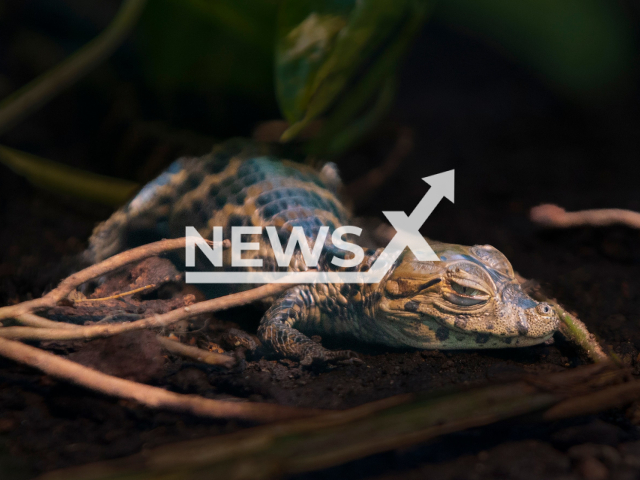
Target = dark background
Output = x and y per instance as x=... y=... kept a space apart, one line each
x=515 y=141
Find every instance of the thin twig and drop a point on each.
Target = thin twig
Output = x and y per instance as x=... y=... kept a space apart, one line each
x=39 y=91
x=557 y=217
x=117 y=295
x=210 y=358
x=153 y=397
x=33 y=320
x=43 y=329
x=97 y=331
x=70 y=283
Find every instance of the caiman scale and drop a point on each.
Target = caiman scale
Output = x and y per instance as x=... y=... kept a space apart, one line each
x=470 y=299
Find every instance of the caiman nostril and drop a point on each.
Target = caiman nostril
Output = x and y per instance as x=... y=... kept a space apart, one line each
x=544 y=309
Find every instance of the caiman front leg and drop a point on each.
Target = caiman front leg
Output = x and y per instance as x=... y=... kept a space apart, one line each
x=278 y=332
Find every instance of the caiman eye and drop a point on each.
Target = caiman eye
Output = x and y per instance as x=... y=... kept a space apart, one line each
x=468 y=291
x=465 y=296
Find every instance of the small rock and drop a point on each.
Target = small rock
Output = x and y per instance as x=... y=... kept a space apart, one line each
x=7 y=425
x=288 y=362
x=605 y=453
x=631 y=454
x=592 y=469
x=529 y=459
x=597 y=432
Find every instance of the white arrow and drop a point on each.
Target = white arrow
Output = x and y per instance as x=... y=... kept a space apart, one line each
x=442 y=185
x=407 y=228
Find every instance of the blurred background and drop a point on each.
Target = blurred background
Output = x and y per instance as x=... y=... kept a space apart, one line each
x=531 y=101
x=463 y=74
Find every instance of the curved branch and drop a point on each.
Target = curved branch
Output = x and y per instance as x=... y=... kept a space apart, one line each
x=144 y=394
x=557 y=217
x=198 y=354
x=70 y=283
x=97 y=331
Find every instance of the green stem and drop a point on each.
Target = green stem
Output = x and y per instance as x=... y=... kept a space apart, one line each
x=60 y=178
x=571 y=327
x=39 y=91
x=577 y=331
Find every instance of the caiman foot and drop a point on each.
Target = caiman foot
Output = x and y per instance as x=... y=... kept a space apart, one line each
x=318 y=355
x=280 y=336
x=245 y=345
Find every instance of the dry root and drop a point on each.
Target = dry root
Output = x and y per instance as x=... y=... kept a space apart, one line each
x=39 y=328
x=554 y=216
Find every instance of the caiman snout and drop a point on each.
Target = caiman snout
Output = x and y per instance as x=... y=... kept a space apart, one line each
x=542 y=321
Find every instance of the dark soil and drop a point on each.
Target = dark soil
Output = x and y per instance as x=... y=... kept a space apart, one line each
x=514 y=144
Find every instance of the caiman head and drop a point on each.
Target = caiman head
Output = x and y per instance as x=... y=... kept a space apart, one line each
x=470 y=299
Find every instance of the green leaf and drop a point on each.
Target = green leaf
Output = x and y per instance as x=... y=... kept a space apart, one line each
x=338 y=55
x=345 y=128
x=60 y=178
x=580 y=47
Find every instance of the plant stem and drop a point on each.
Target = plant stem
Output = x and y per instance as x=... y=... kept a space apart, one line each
x=39 y=91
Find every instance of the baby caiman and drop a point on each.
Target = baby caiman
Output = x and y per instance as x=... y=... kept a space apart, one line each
x=468 y=300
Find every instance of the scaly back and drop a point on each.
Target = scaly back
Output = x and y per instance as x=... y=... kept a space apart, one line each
x=240 y=183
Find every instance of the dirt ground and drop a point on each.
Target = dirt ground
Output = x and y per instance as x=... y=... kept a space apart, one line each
x=514 y=144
